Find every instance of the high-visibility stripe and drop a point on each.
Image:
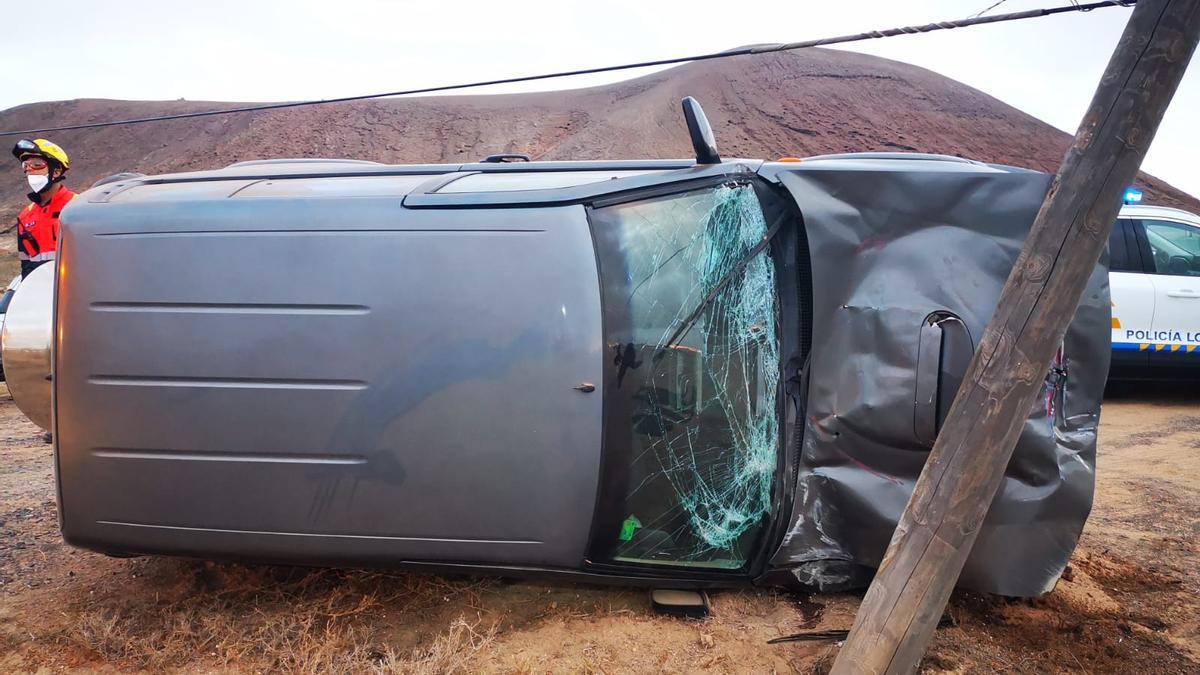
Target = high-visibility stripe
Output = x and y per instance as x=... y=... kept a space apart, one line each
x=48 y=255
x=1167 y=347
x=1116 y=322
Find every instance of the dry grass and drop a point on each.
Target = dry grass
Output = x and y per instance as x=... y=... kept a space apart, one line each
x=281 y=619
x=1129 y=605
x=297 y=643
x=451 y=652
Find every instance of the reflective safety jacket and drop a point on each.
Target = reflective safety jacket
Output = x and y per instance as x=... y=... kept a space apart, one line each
x=37 y=227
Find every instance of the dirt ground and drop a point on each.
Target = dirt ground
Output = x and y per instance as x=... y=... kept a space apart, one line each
x=1130 y=601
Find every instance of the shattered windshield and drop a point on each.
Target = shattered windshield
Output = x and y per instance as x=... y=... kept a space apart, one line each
x=691 y=431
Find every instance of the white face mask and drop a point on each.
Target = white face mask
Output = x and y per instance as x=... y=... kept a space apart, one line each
x=37 y=182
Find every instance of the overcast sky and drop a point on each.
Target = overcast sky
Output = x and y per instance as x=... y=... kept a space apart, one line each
x=268 y=50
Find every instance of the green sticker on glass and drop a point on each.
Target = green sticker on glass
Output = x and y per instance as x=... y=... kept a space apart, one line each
x=630 y=525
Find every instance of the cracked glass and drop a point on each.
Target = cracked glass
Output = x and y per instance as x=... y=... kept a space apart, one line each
x=691 y=425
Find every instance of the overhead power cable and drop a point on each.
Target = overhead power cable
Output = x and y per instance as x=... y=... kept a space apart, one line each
x=760 y=49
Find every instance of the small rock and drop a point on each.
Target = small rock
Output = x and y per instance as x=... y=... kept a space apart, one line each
x=707 y=641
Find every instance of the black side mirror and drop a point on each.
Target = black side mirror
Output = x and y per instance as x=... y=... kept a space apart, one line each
x=703 y=142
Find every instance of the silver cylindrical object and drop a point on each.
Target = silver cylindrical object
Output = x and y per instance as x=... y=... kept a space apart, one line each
x=26 y=342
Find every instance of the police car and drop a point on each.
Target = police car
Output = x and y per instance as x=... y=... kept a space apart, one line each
x=1154 y=254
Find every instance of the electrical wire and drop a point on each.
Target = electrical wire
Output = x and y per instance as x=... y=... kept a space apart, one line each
x=994 y=6
x=744 y=51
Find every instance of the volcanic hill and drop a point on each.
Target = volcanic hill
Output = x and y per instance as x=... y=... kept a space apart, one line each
x=800 y=103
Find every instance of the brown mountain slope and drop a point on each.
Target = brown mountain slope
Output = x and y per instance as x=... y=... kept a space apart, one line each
x=802 y=103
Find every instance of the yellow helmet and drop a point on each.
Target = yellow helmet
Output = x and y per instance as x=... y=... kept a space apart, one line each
x=41 y=147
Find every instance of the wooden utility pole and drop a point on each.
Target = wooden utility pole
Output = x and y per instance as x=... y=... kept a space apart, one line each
x=902 y=607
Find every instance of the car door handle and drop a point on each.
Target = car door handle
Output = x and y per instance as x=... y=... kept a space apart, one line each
x=1184 y=293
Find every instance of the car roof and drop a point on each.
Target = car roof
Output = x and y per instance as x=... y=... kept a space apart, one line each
x=1146 y=211
x=485 y=183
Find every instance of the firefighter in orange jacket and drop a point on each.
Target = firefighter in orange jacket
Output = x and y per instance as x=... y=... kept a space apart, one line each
x=44 y=164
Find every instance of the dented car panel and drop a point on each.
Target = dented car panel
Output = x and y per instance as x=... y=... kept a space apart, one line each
x=895 y=257
x=656 y=371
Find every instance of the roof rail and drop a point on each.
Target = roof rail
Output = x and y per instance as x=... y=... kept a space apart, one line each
x=920 y=156
x=301 y=160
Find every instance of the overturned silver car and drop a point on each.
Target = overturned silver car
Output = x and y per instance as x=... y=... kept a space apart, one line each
x=670 y=372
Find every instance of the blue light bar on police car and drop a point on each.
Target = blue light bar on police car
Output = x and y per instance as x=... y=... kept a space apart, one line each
x=1132 y=196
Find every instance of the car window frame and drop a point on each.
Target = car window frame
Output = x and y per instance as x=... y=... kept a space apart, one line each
x=769 y=536
x=1133 y=255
